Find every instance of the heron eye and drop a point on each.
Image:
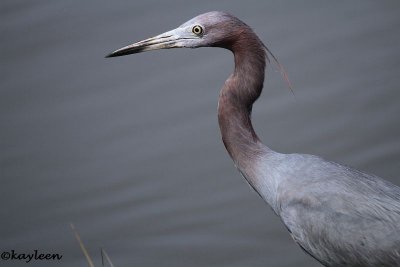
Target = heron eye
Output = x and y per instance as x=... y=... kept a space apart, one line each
x=198 y=30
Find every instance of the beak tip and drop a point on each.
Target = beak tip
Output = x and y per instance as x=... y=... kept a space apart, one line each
x=110 y=55
x=124 y=52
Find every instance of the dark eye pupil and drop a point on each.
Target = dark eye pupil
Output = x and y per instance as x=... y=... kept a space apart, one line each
x=197 y=30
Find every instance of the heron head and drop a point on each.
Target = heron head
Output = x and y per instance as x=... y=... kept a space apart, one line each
x=209 y=29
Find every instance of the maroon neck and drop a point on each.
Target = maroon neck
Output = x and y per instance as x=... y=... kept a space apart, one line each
x=237 y=96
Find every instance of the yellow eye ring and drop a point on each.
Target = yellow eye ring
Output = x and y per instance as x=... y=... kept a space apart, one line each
x=198 y=30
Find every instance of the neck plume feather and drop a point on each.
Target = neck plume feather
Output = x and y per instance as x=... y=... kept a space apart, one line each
x=236 y=99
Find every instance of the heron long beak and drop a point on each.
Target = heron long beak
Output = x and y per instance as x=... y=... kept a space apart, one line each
x=170 y=39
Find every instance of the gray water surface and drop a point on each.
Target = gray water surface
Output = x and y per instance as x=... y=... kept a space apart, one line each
x=129 y=148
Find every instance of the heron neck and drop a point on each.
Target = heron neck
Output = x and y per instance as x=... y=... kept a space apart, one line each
x=236 y=99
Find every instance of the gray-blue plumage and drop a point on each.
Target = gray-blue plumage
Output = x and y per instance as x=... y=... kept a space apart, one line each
x=338 y=215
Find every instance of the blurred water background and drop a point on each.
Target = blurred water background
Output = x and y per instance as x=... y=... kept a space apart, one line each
x=129 y=149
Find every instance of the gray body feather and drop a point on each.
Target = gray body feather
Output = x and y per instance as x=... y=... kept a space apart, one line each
x=338 y=215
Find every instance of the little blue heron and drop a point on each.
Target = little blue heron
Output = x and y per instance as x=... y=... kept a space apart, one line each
x=338 y=215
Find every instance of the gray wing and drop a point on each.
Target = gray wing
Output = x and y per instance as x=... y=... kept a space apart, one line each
x=340 y=216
